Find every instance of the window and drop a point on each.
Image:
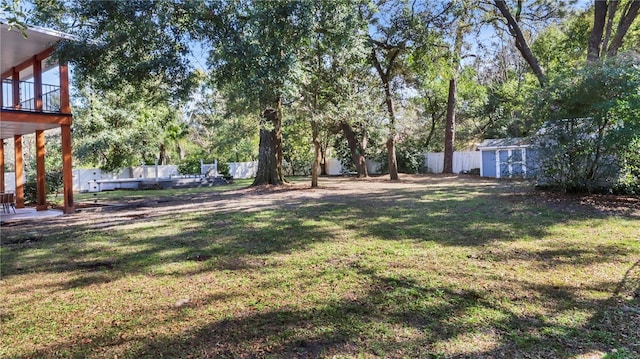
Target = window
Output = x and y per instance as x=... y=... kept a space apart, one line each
x=511 y=163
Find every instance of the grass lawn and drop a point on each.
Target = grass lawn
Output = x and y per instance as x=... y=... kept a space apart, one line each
x=429 y=267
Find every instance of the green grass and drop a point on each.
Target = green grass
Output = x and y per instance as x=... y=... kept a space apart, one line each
x=433 y=267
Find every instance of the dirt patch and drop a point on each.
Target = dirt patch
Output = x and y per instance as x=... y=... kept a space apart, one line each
x=596 y=204
x=332 y=189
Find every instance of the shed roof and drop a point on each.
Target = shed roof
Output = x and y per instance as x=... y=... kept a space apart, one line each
x=515 y=142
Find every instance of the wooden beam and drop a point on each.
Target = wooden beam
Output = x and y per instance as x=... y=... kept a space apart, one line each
x=23 y=65
x=1 y=94
x=17 y=146
x=67 y=169
x=41 y=184
x=65 y=105
x=2 y=166
x=37 y=83
x=15 y=77
x=35 y=117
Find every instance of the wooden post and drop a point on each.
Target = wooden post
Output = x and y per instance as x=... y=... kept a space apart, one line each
x=37 y=83
x=17 y=140
x=15 y=77
x=41 y=185
x=1 y=92
x=2 y=165
x=67 y=169
x=65 y=106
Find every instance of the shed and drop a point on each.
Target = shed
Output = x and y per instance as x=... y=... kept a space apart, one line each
x=507 y=157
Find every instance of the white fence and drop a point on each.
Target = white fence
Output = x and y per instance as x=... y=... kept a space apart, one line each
x=243 y=169
x=462 y=161
x=84 y=179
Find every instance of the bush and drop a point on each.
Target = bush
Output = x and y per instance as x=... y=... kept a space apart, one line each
x=53 y=180
x=592 y=139
x=190 y=165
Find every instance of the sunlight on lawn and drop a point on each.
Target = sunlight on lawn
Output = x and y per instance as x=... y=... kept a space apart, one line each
x=410 y=271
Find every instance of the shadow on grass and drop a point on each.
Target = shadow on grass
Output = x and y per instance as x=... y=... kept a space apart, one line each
x=426 y=315
x=233 y=233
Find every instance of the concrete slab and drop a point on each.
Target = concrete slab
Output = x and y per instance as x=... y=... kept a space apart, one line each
x=29 y=213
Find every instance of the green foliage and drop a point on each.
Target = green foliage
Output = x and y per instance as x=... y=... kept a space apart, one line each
x=53 y=182
x=591 y=140
x=14 y=13
x=255 y=57
x=629 y=182
x=190 y=165
x=221 y=132
x=410 y=157
x=125 y=43
x=115 y=129
x=296 y=146
x=223 y=168
x=52 y=164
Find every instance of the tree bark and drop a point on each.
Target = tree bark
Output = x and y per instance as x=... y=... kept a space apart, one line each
x=521 y=42
x=323 y=160
x=357 y=152
x=315 y=169
x=385 y=78
x=450 y=129
x=611 y=12
x=391 y=142
x=626 y=20
x=595 y=39
x=162 y=156
x=270 y=150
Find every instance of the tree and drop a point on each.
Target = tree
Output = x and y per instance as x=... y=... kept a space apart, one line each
x=591 y=141
x=395 y=27
x=122 y=44
x=218 y=131
x=462 y=28
x=114 y=129
x=521 y=43
x=605 y=13
x=14 y=13
x=256 y=64
x=334 y=59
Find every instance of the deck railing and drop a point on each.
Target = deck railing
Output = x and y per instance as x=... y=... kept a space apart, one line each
x=27 y=99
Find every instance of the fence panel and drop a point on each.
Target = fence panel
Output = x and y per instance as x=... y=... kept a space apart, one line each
x=243 y=169
x=462 y=161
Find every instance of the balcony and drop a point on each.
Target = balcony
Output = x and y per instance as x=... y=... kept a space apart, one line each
x=27 y=97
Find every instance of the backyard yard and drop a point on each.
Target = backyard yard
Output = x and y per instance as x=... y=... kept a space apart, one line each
x=429 y=267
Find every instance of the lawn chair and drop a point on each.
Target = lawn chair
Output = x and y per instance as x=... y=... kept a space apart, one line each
x=8 y=201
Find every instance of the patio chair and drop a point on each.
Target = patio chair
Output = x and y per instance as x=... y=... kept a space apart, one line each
x=8 y=201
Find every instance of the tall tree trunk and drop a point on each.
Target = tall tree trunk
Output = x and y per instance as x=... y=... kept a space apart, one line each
x=357 y=153
x=595 y=39
x=450 y=129
x=521 y=42
x=427 y=142
x=323 y=160
x=385 y=77
x=181 y=152
x=270 y=150
x=162 y=156
x=391 y=142
x=611 y=13
x=315 y=169
x=627 y=18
